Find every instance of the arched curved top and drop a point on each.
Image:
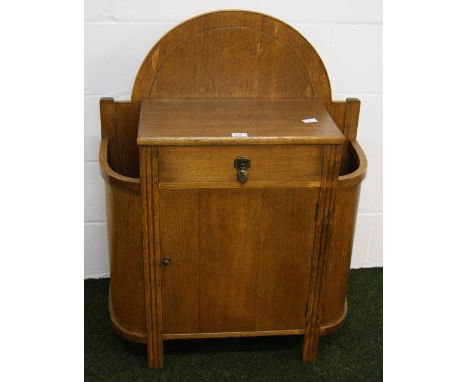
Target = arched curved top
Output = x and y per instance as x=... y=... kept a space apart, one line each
x=233 y=54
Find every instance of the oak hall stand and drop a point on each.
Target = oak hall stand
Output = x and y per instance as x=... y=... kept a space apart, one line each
x=228 y=215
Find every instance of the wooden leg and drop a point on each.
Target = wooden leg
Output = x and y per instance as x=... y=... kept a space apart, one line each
x=310 y=344
x=151 y=255
x=331 y=164
x=154 y=339
x=155 y=354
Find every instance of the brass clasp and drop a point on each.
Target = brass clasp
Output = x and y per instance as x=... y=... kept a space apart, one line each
x=242 y=164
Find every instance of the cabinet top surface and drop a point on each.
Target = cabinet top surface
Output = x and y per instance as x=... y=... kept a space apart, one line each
x=235 y=121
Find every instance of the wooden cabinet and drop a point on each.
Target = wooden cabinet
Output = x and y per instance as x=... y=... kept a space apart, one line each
x=227 y=214
x=236 y=222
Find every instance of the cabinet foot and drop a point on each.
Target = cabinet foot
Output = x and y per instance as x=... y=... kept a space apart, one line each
x=155 y=356
x=310 y=348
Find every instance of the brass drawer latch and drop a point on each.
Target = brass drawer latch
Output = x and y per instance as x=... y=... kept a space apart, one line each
x=242 y=164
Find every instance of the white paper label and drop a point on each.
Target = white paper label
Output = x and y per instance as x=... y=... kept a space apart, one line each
x=309 y=120
x=238 y=135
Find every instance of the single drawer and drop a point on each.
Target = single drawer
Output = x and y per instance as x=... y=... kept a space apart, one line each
x=215 y=164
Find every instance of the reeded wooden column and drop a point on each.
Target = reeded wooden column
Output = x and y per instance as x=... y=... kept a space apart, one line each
x=330 y=171
x=151 y=254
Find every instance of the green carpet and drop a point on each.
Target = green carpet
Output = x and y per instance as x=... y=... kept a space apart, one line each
x=353 y=353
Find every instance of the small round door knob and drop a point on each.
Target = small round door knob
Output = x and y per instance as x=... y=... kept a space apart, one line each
x=166 y=261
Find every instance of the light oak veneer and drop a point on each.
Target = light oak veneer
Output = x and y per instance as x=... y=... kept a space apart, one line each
x=242 y=60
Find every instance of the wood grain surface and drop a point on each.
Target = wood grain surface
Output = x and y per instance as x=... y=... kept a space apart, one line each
x=124 y=254
x=323 y=230
x=126 y=300
x=291 y=163
x=151 y=254
x=261 y=75
x=233 y=54
x=240 y=259
x=183 y=121
x=180 y=242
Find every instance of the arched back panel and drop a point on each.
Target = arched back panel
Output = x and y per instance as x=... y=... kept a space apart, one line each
x=233 y=54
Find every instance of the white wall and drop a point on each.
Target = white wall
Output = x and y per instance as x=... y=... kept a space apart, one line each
x=346 y=33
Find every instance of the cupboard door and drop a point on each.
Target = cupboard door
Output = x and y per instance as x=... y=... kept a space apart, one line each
x=284 y=258
x=240 y=258
x=179 y=241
